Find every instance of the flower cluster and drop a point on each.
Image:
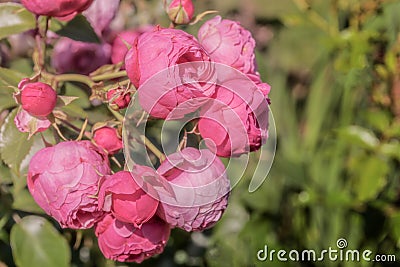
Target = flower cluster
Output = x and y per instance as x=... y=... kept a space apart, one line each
x=174 y=74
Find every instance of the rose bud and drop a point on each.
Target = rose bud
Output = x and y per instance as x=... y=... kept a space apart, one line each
x=71 y=56
x=108 y=139
x=63 y=180
x=169 y=67
x=38 y=98
x=180 y=11
x=123 y=242
x=235 y=120
x=229 y=43
x=200 y=189
x=64 y=9
x=118 y=98
x=122 y=196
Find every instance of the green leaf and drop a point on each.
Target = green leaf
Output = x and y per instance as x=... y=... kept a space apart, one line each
x=79 y=29
x=36 y=243
x=14 y=18
x=369 y=176
x=6 y=98
x=10 y=77
x=359 y=136
x=14 y=145
x=24 y=201
x=72 y=89
x=5 y=174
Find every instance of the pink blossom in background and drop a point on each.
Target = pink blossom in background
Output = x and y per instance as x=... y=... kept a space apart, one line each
x=124 y=242
x=100 y=14
x=121 y=43
x=122 y=196
x=63 y=180
x=71 y=56
x=200 y=189
x=66 y=9
x=229 y=43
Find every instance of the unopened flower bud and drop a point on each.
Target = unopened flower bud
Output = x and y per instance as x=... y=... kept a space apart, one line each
x=180 y=11
x=118 y=98
x=108 y=139
x=38 y=99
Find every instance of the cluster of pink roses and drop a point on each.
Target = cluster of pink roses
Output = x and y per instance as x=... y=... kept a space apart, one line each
x=132 y=212
x=175 y=74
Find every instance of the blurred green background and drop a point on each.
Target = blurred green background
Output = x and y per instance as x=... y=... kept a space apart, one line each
x=334 y=68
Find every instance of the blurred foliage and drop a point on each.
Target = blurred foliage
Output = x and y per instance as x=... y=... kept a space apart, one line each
x=334 y=67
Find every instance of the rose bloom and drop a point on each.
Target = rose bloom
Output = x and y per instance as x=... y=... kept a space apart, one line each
x=123 y=242
x=57 y=8
x=63 y=180
x=108 y=139
x=122 y=196
x=169 y=67
x=199 y=189
x=71 y=56
x=229 y=43
x=235 y=119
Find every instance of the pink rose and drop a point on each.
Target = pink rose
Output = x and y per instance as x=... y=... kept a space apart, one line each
x=108 y=139
x=27 y=123
x=169 y=67
x=123 y=242
x=180 y=11
x=57 y=8
x=236 y=120
x=229 y=43
x=118 y=98
x=200 y=189
x=122 y=196
x=100 y=14
x=79 y=57
x=63 y=180
x=38 y=98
